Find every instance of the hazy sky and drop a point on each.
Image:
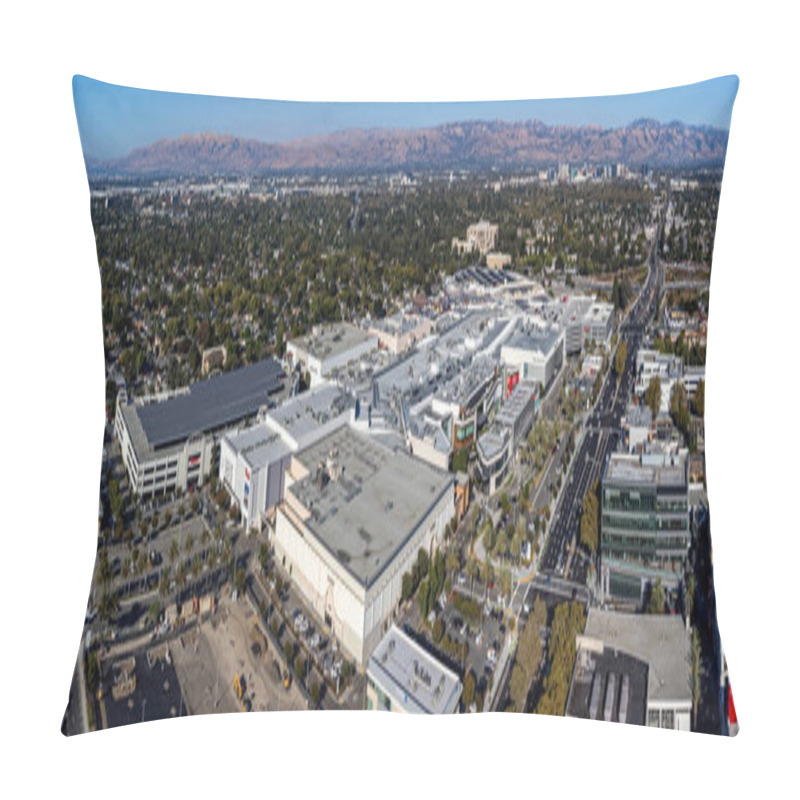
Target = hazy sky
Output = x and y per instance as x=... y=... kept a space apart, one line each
x=115 y=119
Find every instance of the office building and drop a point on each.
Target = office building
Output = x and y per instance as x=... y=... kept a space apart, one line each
x=633 y=668
x=644 y=530
x=598 y=323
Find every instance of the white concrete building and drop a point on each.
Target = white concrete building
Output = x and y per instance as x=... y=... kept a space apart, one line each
x=253 y=461
x=404 y=678
x=663 y=642
x=354 y=516
x=498 y=260
x=537 y=352
x=482 y=236
x=400 y=332
x=329 y=347
x=598 y=323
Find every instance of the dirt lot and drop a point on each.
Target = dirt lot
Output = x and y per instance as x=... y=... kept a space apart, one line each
x=208 y=658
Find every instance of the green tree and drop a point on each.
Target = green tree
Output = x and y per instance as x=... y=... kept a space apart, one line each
x=690 y=590
x=315 y=693
x=279 y=334
x=108 y=606
x=422 y=564
x=423 y=597
x=590 y=518
x=696 y=669
x=163 y=584
x=438 y=630
x=300 y=666
x=700 y=398
x=488 y=536
x=174 y=552
x=655 y=604
x=569 y=619
x=620 y=357
x=92 y=672
x=408 y=586
x=240 y=580
x=452 y=561
x=518 y=688
x=468 y=692
x=104 y=571
x=263 y=557
x=505 y=582
x=652 y=395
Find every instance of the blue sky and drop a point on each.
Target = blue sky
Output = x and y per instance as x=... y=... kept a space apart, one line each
x=115 y=119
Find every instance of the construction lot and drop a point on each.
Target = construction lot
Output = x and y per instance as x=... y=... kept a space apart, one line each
x=210 y=656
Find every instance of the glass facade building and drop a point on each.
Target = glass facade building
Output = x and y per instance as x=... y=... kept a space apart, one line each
x=645 y=532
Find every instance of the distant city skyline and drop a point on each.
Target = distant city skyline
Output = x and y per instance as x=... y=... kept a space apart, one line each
x=114 y=120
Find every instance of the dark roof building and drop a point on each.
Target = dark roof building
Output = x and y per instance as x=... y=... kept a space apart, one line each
x=167 y=440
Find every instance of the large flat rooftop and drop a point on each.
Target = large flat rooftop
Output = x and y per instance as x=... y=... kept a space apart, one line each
x=258 y=445
x=214 y=403
x=668 y=471
x=660 y=640
x=535 y=339
x=412 y=677
x=304 y=413
x=365 y=499
x=513 y=408
x=329 y=341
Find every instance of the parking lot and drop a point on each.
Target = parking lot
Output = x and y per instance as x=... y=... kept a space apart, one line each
x=484 y=637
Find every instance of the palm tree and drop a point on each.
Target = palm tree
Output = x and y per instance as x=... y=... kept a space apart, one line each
x=163 y=584
x=188 y=544
x=108 y=607
x=126 y=571
x=174 y=552
x=487 y=573
x=143 y=560
x=197 y=567
x=180 y=580
x=227 y=553
x=104 y=571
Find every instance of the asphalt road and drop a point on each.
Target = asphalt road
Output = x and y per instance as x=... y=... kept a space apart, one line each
x=601 y=437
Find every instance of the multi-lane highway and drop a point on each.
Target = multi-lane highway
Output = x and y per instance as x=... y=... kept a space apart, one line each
x=563 y=555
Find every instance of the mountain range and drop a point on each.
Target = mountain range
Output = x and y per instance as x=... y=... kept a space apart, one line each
x=471 y=144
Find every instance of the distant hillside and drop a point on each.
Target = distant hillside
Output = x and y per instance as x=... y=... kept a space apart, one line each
x=449 y=146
